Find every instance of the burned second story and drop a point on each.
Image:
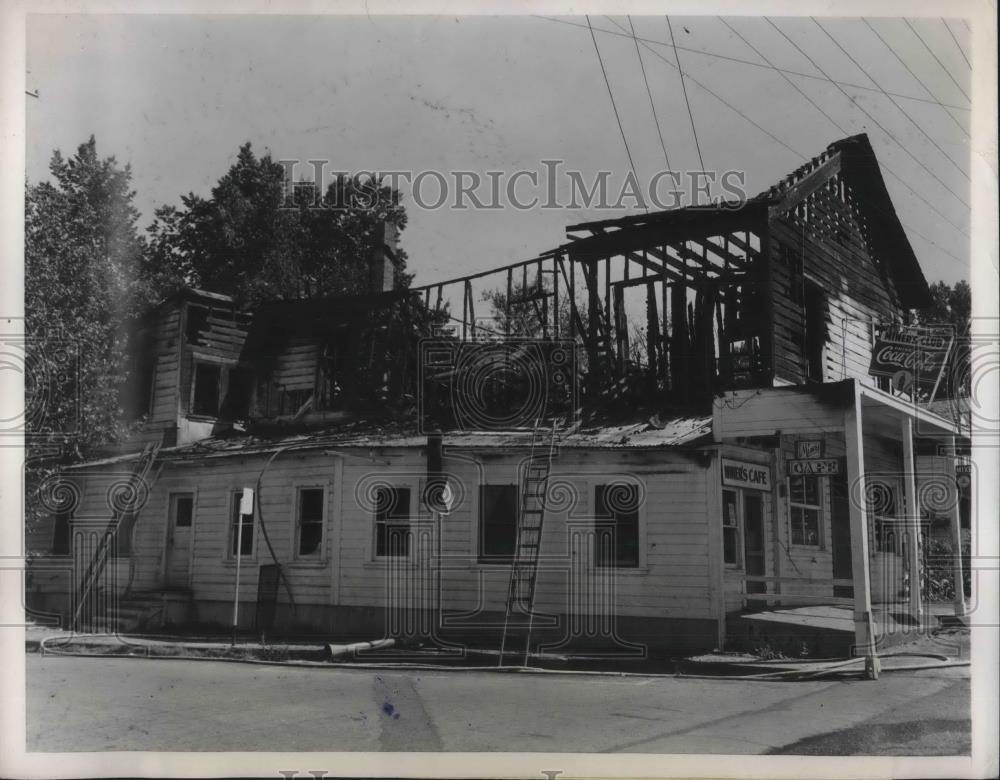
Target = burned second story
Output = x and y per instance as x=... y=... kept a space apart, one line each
x=651 y=314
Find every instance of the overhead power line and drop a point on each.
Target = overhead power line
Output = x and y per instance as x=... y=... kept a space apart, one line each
x=894 y=102
x=936 y=59
x=878 y=124
x=845 y=132
x=803 y=156
x=614 y=107
x=957 y=44
x=715 y=55
x=649 y=93
x=687 y=102
x=916 y=77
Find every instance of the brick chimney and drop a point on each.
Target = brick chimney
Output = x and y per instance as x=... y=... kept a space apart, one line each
x=383 y=261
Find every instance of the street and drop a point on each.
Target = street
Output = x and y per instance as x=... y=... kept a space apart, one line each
x=97 y=704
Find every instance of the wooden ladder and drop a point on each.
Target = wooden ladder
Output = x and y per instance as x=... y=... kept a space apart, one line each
x=99 y=562
x=531 y=515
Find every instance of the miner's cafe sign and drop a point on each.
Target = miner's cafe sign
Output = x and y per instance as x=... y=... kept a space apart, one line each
x=912 y=356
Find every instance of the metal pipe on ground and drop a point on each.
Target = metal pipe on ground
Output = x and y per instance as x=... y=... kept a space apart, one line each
x=338 y=651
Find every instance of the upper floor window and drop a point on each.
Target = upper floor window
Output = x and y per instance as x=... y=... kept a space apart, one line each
x=814 y=306
x=207 y=390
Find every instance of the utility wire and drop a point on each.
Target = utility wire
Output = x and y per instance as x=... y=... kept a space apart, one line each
x=936 y=59
x=649 y=93
x=687 y=102
x=796 y=152
x=957 y=44
x=715 y=55
x=901 y=109
x=802 y=156
x=878 y=124
x=718 y=97
x=845 y=132
x=614 y=107
x=915 y=76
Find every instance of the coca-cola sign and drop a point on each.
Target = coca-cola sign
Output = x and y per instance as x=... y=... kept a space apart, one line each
x=913 y=356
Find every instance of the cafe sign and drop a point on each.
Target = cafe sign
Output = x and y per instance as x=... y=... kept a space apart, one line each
x=739 y=473
x=807 y=467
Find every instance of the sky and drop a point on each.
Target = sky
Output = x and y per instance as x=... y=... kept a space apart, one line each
x=175 y=97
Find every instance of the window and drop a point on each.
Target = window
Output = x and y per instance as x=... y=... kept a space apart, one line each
x=616 y=526
x=805 y=505
x=235 y=519
x=207 y=381
x=239 y=391
x=392 y=522
x=497 y=523
x=61 y=533
x=309 y=525
x=730 y=528
x=183 y=511
x=815 y=337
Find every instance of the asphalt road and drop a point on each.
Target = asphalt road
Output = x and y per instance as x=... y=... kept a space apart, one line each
x=90 y=704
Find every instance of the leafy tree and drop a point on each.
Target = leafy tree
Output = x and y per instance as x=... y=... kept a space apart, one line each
x=83 y=283
x=953 y=306
x=260 y=237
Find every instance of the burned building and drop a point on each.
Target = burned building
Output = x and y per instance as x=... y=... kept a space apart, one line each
x=659 y=428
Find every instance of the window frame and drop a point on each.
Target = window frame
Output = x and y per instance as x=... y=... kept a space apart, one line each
x=482 y=557
x=198 y=362
x=235 y=493
x=602 y=520
x=736 y=527
x=410 y=518
x=319 y=554
x=819 y=508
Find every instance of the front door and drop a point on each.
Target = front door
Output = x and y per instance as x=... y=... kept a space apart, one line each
x=753 y=540
x=179 y=539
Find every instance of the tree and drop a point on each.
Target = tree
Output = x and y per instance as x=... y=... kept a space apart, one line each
x=259 y=237
x=953 y=306
x=83 y=284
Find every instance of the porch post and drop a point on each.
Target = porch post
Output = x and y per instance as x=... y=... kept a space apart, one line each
x=956 y=531
x=864 y=630
x=912 y=517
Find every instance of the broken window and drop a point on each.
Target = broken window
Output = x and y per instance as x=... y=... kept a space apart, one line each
x=392 y=522
x=497 y=523
x=245 y=541
x=815 y=320
x=616 y=525
x=207 y=385
x=61 y=539
x=309 y=525
x=805 y=505
x=195 y=323
x=238 y=394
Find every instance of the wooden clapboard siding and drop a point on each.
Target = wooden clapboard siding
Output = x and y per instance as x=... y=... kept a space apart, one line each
x=752 y=413
x=826 y=238
x=295 y=368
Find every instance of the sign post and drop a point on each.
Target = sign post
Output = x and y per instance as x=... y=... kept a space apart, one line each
x=246 y=508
